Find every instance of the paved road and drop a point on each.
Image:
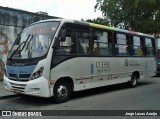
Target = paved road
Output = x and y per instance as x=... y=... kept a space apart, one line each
x=116 y=97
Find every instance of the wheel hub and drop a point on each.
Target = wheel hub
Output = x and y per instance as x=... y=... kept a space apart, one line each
x=62 y=92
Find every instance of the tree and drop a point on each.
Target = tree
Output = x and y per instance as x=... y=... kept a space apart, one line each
x=98 y=20
x=139 y=15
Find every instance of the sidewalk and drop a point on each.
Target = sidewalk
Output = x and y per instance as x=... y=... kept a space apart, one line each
x=3 y=92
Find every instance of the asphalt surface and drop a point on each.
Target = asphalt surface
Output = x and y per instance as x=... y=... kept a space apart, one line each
x=3 y=93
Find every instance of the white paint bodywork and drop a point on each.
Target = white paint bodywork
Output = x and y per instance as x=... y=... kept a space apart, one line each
x=80 y=70
x=38 y=87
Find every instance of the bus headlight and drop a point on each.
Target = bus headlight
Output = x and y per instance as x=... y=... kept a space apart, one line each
x=37 y=74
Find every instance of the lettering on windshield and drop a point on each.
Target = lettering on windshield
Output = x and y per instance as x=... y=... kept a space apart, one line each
x=34 y=41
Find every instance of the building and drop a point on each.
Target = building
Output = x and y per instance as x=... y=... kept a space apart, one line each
x=12 y=21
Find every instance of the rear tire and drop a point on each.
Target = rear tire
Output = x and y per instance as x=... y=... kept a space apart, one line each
x=134 y=81
x=61 y=91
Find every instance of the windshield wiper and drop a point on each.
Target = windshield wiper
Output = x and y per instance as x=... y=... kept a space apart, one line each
x=16 y=50
x=19 y=47
x=29 y=47
x=28 y=42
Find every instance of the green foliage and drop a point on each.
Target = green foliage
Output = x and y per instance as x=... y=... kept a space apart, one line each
x=138 y=15
x=98 y=21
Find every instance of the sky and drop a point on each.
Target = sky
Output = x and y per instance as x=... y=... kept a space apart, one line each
x=69 y=9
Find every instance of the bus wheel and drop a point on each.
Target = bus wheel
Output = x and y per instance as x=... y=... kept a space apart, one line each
x=134 y=80
x=61 y=91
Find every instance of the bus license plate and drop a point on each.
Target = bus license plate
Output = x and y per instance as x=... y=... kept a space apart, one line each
x=16 y=91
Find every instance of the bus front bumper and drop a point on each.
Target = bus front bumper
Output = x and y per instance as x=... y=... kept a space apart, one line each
x=37 y=87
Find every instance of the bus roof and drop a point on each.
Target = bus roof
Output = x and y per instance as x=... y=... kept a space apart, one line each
x=120 y=30
x=99 y=26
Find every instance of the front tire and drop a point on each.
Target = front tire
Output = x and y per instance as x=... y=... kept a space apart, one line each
x=61 y=91
x=134 y=80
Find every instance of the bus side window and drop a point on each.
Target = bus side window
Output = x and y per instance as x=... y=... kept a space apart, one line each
x=103 y=43
x=80 y=42
x=137 y=49
x=83 y=43
x=77 y=41
x=85 y=46
x=149 y=47
x=121 y=45
x=66 y=45
x=96 y=50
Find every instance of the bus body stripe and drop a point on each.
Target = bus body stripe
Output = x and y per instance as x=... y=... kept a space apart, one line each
x=103 y=27
x=20 y=69
x=92 y=70
x=119 y=30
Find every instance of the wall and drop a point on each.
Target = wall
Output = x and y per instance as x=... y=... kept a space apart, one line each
x=12 y=21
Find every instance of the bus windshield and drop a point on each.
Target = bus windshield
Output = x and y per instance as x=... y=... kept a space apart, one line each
x=34 y=41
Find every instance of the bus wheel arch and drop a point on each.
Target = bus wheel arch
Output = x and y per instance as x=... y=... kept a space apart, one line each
x=62 y=89
x=134 y=79
x=69 y=80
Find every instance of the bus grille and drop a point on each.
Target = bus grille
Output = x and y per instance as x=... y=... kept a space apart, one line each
x=20 y=77
x=18 y=87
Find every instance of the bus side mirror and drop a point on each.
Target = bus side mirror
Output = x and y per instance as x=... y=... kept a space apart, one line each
x=61 y=38
x=63 y=35
x=56 y=43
